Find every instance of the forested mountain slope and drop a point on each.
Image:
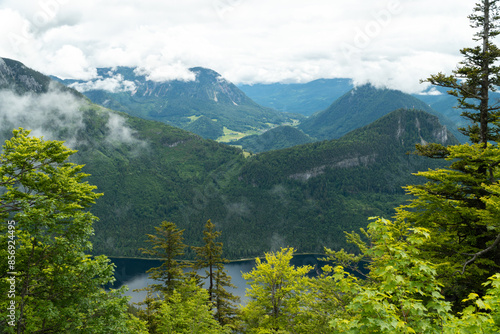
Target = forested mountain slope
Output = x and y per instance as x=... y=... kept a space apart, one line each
x=280 y=137
x=180 y=102
x=147 y=170
x=356 y=108
x=304 y=196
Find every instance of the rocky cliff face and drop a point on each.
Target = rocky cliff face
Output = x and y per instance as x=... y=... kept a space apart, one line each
x=14 y=74
x=17 y=77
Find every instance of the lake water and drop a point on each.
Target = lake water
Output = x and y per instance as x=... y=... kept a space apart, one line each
x=132 y=272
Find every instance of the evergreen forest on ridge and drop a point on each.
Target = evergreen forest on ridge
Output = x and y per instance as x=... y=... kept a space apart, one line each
x=397 y=195
x=150 y=171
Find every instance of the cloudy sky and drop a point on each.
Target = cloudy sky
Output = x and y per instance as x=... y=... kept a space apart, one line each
x=386 y=42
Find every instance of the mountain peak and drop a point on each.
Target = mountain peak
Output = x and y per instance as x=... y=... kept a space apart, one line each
x=180 y=102
x=205 y=72
x=358 y=107
x=13 y=74
x=407 y=127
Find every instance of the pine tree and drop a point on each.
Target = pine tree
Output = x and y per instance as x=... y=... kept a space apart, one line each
x=477 y=76
x=226 y=311
x=168 y=245
x=209 y=256
x=453 y=205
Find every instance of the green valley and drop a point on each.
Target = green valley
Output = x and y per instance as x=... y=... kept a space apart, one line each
x=205 y=104
x=303 y=196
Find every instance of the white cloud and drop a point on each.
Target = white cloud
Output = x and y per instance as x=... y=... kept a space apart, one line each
x=69 y=62
x=121 y=133
x=44 y=114
x=244 y=40
x=155 y=71
x=114 y=84
x=432 y=91
x=58 y=115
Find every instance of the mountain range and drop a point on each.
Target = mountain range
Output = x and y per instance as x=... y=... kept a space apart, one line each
x=303 y=196
x=316 y=97
x=214 y=108
x=207 y=105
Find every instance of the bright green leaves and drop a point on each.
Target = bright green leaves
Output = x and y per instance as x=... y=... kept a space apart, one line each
x=59 y=289
x=460 y=207
x=45 y=193
x=276 y=293
x=188 y=311
x=400 y=293
x=483 y=314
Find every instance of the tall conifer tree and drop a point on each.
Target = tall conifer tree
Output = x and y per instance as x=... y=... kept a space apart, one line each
x=209 y=256
x=455 y=205
x=168 y=245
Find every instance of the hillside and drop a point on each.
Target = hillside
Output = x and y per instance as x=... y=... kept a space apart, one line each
x=21 y=79
x=358 y=107
x=303 y=196
x=318 y=95
x=181 y=103
x=147 y=170
x=306 y=196
x=274 y=139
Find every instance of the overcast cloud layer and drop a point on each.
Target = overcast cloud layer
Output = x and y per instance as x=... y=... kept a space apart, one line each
x=392 y=43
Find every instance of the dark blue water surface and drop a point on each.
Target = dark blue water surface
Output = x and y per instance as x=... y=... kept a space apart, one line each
x=132 y=272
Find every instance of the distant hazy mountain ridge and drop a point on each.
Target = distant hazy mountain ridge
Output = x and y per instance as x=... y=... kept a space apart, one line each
x=304 y=99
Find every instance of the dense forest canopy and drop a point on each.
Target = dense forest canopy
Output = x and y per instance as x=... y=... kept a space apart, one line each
x=433 y=267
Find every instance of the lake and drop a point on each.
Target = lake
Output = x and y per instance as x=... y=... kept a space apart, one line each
x=132 y=272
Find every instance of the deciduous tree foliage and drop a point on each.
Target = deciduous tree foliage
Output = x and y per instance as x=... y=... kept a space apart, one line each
x=188 y=311
x=459 y=207
x=58 y=288
x=276 y=293
x=401 y=293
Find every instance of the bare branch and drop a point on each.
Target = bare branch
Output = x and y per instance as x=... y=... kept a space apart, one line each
x=480 y=253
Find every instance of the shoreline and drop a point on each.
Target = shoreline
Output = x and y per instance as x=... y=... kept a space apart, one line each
x=230 y=261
